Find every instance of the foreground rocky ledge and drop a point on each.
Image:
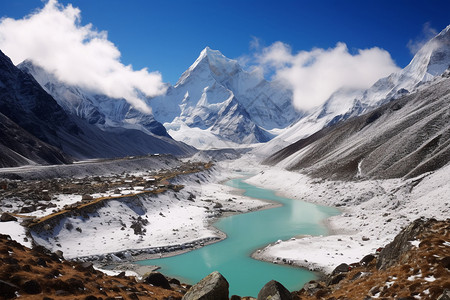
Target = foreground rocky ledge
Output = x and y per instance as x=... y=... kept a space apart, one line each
x=415 y=265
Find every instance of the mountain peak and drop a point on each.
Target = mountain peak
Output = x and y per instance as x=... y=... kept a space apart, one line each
x=433 y=58
x=211 y=63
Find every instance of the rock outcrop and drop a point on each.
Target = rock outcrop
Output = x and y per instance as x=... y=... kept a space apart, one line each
x=212 y=287
x=414 y=265
x=273 y=290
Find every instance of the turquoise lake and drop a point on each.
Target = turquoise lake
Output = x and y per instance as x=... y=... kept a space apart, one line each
x=246 y=233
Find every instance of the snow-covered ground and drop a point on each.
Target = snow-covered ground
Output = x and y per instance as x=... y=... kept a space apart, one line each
x=168 y=219
x=374 y=211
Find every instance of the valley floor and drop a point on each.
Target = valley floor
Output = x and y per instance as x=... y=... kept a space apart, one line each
x=142 y=226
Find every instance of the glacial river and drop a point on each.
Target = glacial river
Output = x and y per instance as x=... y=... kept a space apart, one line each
x=246 y=233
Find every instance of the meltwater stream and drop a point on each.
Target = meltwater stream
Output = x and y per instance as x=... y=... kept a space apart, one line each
x=246 y=233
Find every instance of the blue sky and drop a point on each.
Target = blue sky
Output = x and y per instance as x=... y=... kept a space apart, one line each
x=167 y=35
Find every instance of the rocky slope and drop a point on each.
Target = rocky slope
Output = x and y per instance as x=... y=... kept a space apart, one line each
x=18 y=147
x=38 y=274
x=24 y=102
x=405 y=137
x=430 y=62
x=415 y=265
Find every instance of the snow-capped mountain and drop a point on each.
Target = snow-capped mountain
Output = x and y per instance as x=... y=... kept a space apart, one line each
x=104 y=112
x=404 y=137
x=430 y=62
x=216 y=103
x=35 y=121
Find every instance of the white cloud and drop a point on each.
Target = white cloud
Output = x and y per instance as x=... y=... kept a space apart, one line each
x=315 y=75
x=427 y=34
x=54 y=38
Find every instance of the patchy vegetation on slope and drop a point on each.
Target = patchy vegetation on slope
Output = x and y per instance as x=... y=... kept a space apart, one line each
x=38 y=274
x=416 y=265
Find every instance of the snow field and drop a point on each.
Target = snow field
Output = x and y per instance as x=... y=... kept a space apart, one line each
x=167 y=219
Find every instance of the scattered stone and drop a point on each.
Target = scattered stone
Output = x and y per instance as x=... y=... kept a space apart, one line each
x=86 y=197
x=342 y=268
x=32 y=287
x=312 y=287
x=60 y=254
x=212 y=287
x=445 y=295
x=274 y=290
x=7 y=217
x=367 y=259
x=8 y=290
x=28 y=209
x=157 y=279
x=336 y=279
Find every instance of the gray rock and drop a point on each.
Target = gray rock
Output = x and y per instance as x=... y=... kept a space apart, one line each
x=312 y=287
x=367 y=259
x=32 y=287
x=390 y=255
x=445 y=295
x=336 y=279
x=274 y=290
x=8 y=290
x=342 y=268
x=212 y=287
x=7 y=217
x=157 y=279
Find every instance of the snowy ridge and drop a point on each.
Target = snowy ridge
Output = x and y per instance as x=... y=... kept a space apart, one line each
x=430 y=62
x=104 y=112
x=230 y=105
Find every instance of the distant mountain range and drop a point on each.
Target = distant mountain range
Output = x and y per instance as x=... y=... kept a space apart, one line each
x=214 y=104
x=40 y=130
x=429 y=62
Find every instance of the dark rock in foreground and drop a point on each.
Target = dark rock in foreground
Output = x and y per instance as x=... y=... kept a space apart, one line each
x=273 y=290
x=212 y=287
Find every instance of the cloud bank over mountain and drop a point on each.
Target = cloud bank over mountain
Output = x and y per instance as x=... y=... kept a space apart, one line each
x=54 y=38
x=315 y=75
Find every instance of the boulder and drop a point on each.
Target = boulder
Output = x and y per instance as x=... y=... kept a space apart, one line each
x=367 y=259
x=86 y=197
x=8 y=290
x=312 y=287
x=32 y=287
x=342 y=268
x=390 y=255
x=445 y=295
x=274 y=290
x=157 y=279
x=7 y=217
x=212 y=287
x=336 y=279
